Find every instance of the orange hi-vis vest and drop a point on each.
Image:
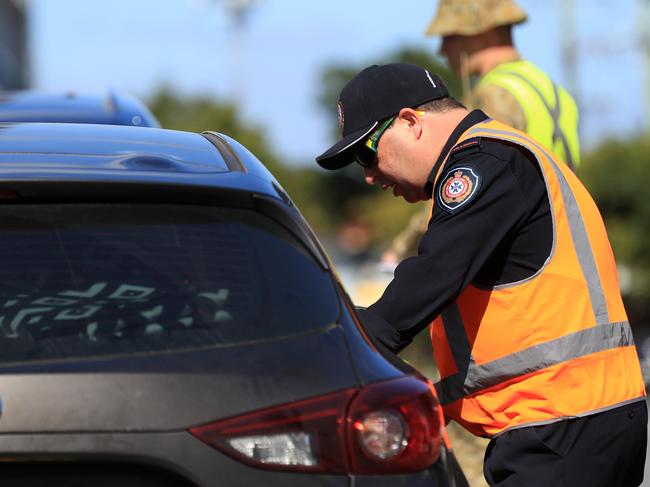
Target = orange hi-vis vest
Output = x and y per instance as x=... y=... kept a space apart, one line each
x=556 y=345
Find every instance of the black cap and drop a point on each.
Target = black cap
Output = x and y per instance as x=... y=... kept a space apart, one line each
x=376 y=93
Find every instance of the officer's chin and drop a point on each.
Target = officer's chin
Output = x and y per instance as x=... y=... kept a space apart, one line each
x=397 y=193
x=411 y=197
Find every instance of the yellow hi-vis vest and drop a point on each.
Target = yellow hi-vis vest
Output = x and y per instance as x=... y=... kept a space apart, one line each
x=552 y=346
x=551 y=113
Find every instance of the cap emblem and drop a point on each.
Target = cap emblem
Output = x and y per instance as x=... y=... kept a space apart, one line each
x=341 y=115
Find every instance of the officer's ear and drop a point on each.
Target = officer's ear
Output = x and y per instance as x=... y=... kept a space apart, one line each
x=412 y=118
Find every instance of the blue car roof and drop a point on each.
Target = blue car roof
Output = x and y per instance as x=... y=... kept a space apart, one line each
x=64 y=162
x=87 y=152
x=113 y=108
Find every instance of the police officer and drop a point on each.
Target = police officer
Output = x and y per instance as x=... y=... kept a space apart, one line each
x=515 y=279
x=477 y=41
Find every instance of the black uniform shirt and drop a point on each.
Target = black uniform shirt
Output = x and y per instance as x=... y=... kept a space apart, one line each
x=501 y=233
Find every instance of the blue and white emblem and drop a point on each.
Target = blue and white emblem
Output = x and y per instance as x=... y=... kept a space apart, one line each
x=458 y=188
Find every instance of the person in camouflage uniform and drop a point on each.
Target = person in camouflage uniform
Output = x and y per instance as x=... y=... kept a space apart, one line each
x=464 y=27
x=477 y=42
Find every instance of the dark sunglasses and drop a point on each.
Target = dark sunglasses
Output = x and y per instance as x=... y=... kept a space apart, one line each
x=366 y=153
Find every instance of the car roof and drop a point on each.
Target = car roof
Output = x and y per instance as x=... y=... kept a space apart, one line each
x=105 y=153
x=65 y=162
x=112 y=108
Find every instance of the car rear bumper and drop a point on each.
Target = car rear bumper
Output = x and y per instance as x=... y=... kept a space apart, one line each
x=176 y=458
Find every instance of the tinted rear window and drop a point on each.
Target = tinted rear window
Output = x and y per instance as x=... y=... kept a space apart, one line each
x=92 y=280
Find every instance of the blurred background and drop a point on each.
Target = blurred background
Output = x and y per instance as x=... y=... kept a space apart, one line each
x=268 y=72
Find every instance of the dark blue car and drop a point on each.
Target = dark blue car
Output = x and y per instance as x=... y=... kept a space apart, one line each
x=114 y=108
x=167 y=318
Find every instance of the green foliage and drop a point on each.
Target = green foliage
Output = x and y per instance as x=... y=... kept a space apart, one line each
x=318 y=195
x=201 y=113
x=616 y=174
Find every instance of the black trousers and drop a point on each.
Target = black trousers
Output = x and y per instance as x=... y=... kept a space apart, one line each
x=605 y=449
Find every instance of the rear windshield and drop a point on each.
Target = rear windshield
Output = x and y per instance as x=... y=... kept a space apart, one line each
x=93 y=280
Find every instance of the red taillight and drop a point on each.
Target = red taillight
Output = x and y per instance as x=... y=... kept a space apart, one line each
x=396 y=427
x=304 y=435
x=387 y=427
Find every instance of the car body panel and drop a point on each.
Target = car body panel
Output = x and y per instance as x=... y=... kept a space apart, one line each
x=112 y=108
x=137 y=409
x=178 y=452
x=98 y=154
x=86 y=147
x=182 y=454
x=218 y=383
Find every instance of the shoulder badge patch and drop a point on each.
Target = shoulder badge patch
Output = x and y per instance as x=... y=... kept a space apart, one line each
x=457 y=188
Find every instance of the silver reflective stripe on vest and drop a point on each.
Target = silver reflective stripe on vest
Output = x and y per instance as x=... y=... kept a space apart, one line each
x=574 y=345
x=472 y=378
x=554 y=111
x=576 y=227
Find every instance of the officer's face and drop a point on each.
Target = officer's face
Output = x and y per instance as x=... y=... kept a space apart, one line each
x=396 y=164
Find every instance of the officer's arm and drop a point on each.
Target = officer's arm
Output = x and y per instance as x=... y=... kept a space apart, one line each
x=459 y=241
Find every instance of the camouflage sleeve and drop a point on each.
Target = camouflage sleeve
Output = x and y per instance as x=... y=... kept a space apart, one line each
x=405 y=244
x=499 y=104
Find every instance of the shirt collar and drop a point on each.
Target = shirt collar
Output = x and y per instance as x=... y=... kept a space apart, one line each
x=472 y=118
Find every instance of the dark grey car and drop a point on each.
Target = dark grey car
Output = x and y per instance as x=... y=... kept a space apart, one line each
x=168 y=318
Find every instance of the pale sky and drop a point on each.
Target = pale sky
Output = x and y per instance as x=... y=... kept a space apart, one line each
x=137 y=45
